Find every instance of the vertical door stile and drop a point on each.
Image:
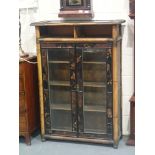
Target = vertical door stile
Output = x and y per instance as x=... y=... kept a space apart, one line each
x=79 y=60
x=46 y=91
x=109 y=91
x=73 y=89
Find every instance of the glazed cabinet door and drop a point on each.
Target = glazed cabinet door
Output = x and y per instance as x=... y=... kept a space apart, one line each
x=77 y=84
x=94 y=86
x=59 y=85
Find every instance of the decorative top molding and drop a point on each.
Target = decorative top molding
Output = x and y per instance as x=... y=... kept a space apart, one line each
x=78 y=22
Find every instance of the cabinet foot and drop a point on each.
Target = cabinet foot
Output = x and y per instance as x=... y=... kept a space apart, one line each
x=115 y=146
x=28 y=139
x=43 y=139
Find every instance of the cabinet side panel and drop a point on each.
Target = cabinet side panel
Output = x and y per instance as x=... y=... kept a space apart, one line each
x=115 y=34
x=31 y=91
x=40 y=81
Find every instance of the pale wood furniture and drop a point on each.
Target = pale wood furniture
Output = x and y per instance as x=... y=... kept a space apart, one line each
x=79 y=64
x=28 y=98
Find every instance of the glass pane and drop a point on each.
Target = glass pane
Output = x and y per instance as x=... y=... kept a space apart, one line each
x=96 y=55
x=58 y=55
x=60 y=95
x=94 y=72
x=95 y=122
x=59 y=72
x=59 y=84
x=95 y=96
x=61 y=120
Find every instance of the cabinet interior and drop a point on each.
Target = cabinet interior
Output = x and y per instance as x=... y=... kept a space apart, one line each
x=80 y=31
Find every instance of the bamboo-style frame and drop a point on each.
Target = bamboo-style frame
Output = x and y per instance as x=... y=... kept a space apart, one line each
x=116 y=38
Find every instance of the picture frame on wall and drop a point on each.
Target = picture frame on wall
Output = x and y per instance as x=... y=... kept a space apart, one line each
x=75 y=8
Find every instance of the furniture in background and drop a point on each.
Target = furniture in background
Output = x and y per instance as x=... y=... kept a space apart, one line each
x=28 y=98
x=132 y=9
x=80 y=80
x=131 y=140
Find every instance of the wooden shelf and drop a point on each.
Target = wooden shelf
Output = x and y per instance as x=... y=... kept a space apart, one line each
x=60 y=62
x=59 y=83
x=91 y=131
x=76 y=40
x=94 y=84
x=109 y=92
x=85 y=62
x=95 y=108
x=85 y=84
x=64 y=129
x=60 y=106
x=94 y=62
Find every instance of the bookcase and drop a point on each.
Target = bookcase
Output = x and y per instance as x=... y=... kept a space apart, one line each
x=79 y=65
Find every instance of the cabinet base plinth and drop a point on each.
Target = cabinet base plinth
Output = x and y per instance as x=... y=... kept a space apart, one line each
x=75 y=139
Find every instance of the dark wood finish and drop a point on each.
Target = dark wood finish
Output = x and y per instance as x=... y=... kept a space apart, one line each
x=131 y=140
x=75 y=9
x=76 y=14
x=77 y=22
x=81 y=139
x=28 y=98
x=132 y=9
x=80 y=80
